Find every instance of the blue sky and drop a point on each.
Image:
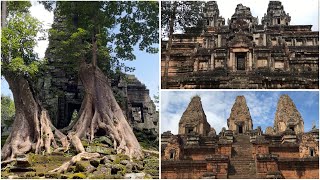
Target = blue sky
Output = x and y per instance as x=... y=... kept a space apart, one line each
x=217 y=106
x=146 y=65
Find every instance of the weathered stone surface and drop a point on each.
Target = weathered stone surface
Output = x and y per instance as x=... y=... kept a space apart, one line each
x=104 y=140
x=309 y=145
x=194 y=120
x=240 y=119
x=84 y=166
x=100 y=149
x=288 y=116
x=134 y=175
x=243 y=54
x=269 y=130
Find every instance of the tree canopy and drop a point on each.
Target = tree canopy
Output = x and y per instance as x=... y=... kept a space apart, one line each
x=185 y=15
x=19 y=37
x=115 y=26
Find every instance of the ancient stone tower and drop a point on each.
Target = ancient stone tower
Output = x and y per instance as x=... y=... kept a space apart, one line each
x=194 y=120
x=211 y=15
x=276 y=15
x=287 y=116
x=240 y=119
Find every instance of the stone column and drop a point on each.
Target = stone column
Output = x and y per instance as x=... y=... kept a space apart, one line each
x=196 y=65
x=231 y=63
x=250 y=61
x=270 y=62
x=212 y=65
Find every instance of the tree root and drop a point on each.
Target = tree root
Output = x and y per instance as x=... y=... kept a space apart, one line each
x=81 y=156
x=100 y=111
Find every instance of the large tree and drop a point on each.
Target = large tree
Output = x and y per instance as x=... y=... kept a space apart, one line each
x=98 y=35
x=32 y=129
x=178 y=16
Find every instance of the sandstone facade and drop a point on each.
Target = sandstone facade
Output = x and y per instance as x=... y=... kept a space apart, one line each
x=287 y=116
x=240 y=119
x=244 y=53
x=235 y=155
x=194 y=120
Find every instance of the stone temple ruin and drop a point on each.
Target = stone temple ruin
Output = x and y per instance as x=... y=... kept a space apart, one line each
x=61 y=92
x=241 y=152
x=63 y=96
x=244 y=53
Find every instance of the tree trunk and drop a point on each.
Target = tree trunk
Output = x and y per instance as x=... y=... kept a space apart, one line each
x=3 y=13
x=100 y=111
x=171 y=24
x=32 y=129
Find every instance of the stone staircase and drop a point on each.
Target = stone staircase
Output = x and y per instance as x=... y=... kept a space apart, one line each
x=242 y=165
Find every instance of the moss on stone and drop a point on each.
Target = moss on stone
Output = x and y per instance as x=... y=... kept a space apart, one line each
x=100 y=149
x=123 y=157
x=30 y=174
x=77 y=176
x=84 y=166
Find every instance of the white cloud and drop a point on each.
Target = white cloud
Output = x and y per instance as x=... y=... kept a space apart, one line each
x=38 y=11
x=217 y=106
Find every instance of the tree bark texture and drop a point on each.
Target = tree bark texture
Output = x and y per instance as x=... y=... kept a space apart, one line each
x=100 y=111
x=32 y=129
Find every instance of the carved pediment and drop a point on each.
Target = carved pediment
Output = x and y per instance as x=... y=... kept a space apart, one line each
x=240 y=41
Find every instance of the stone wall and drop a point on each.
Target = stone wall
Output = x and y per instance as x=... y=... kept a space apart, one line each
x=183 y=169
x=299 y=168
x=244 y=54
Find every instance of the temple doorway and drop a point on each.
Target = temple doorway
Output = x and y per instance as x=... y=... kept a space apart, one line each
x=240 y=129
x=241 y=58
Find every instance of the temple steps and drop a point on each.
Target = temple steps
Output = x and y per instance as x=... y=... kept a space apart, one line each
x=242 y=165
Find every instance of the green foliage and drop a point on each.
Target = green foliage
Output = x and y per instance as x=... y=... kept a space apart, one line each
x=7 y=110
x=187 y=15
x=18 y=40
x=115 y=26
x=19 y=6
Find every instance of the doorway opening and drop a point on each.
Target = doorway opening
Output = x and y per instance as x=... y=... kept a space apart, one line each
x=240 y=129
x=241 y=60
x=312 y=152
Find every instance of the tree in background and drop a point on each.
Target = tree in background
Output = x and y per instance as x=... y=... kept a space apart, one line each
x=98 y=35
x=94 y=32
x=32 y=128
x=7 y=111
x=178 y=15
